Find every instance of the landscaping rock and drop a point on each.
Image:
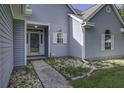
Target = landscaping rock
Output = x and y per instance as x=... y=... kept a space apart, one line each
x=68 y=66
x=24 y=79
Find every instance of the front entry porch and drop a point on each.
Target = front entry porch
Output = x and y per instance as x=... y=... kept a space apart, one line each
x=37 y=41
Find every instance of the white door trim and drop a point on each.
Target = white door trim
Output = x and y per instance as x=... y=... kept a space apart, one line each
x=37 y=23
x=47 y=24
x=42 y=46
x=25 y=42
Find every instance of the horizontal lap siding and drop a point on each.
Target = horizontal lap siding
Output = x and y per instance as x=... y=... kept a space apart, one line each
x=57 y=17
x=6 y=44
x=19 y=46
x=104 y=21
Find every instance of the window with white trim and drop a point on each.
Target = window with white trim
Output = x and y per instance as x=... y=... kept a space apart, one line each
x=108 y=41
x=59 y=37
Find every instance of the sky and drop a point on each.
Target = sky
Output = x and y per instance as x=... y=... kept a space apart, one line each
x=85 y=6
x=82 y=6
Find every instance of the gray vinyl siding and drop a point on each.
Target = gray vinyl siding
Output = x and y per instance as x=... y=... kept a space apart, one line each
x=19 y=43
x=104 y=21
x=76 y=40
x=57 y=17
x=6 y=44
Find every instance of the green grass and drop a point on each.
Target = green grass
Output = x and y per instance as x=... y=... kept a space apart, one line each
x=73 y=71
x=109 y=78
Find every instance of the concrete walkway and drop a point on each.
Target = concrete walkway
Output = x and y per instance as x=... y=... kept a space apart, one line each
x=49 y=77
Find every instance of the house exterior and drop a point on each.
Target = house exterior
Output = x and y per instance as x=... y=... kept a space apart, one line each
x=56 y=31
x=102 y=31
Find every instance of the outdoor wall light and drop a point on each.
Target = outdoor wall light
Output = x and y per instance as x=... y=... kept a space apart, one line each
x=35 y=26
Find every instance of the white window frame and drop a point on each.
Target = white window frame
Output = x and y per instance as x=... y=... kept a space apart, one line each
x=108 y=42
x=103 y=42
x=61 y=37
x=55 y=38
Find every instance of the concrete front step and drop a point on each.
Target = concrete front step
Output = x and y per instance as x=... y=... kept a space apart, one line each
x=35 y=57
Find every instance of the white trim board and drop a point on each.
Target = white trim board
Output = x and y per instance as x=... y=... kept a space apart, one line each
x=114 y=8
x=118 y=15
x=77 y=19
x=25 y=43
x=47 y=24
x=41 y=51
x=72 y=8
x=37 y=23
x=49 y=45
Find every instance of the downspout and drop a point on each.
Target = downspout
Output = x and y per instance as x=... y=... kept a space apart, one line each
x=83 y=48
x=84 y=23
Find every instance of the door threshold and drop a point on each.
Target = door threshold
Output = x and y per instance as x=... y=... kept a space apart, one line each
x=36 y=57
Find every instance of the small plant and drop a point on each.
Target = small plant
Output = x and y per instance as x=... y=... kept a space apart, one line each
x=72 y=71
x=68 y=66
x=25 y=78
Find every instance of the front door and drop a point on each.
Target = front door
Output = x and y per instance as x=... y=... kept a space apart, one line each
x=36 y=43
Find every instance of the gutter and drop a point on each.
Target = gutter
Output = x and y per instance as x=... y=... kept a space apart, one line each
x=88 y=24
x=76 y=18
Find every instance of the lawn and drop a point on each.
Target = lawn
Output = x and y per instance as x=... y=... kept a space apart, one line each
x=106 y=73
x=107 y=78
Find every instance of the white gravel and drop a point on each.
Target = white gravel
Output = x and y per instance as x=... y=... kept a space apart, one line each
x=23 y=79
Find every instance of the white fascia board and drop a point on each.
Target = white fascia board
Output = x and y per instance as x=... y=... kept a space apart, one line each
x=77 y=19
x=18 y=11
x=118 y=15
x=11 y=10
x=71 y=7
x=94 y=13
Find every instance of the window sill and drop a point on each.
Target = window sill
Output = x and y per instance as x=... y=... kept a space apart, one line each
x=108 y=50
x=60 y=43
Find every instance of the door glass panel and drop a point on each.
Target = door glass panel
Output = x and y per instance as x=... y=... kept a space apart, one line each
x=41 y=39
x=27 y=38
x=34 y=42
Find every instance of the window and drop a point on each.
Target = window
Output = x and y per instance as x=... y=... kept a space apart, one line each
x=59 y=37
x=108 y=9
x=108 y=40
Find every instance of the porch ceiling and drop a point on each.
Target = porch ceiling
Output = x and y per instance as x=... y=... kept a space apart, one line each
x=34 y=26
